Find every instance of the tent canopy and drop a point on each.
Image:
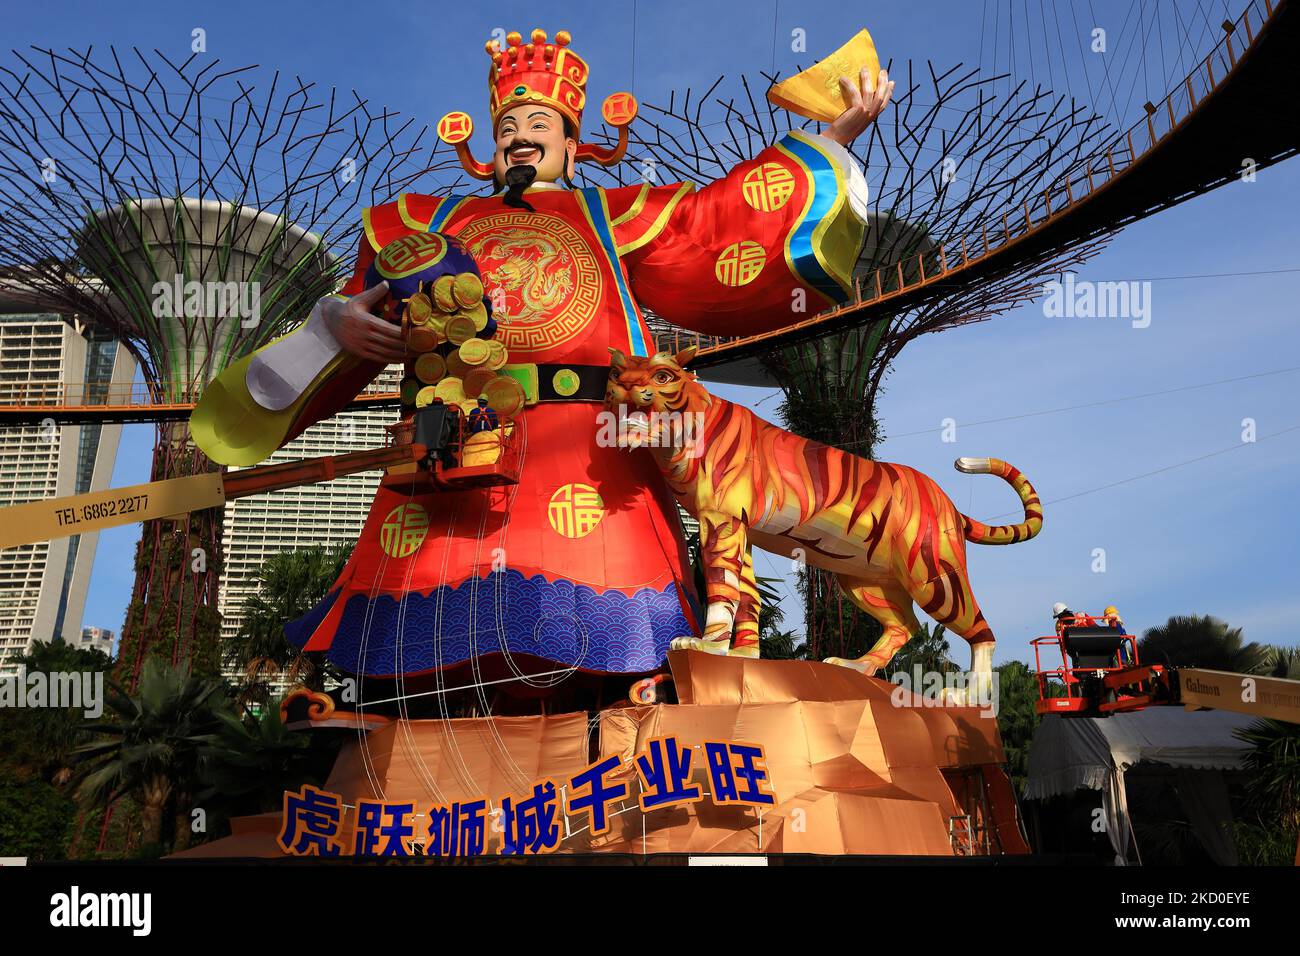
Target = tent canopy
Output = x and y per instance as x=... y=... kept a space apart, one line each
x=1069 y=753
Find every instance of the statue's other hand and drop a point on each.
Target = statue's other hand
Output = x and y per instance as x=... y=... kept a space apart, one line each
x=360 y=333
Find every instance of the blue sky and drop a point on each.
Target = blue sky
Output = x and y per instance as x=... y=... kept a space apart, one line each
x=1214 y=536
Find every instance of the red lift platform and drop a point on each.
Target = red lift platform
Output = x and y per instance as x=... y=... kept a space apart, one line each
x=1099 y=673
x=459 y=457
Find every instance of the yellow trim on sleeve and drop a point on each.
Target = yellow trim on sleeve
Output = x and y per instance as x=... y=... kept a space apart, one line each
x=660 y=221
x=407 y=219
x=634 y=210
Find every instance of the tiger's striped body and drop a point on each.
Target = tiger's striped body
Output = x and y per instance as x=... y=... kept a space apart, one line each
x=888 y=532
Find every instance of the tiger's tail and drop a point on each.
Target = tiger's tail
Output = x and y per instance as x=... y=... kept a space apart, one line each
x=977 y=532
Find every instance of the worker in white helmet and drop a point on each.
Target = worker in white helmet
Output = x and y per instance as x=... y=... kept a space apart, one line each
x=1063 y=615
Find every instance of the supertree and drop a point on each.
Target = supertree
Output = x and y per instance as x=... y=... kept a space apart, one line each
x=946 y=165
x=194 y=212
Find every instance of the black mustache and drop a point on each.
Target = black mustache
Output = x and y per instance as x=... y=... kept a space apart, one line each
x=541 y=150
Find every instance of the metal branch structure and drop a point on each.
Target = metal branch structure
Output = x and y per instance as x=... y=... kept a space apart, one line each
x=950 y=160
x=194 y=212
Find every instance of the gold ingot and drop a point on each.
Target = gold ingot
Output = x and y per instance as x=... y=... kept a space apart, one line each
x=477 y=379
x=475 y=352
x=498 y=355
x=460 y=329
x=478 y=315
x=420 y=340
x=505 y=395
x=467 y=290
x=419 y=308
x=444 y=293
x=456 y=366
x=437 y=321
x=430 y=367
x=815 y=93
x=451 y=391
x=410 y=389
x=426 y=396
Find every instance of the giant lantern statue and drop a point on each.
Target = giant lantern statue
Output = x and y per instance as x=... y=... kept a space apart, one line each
x=543 y=557
x=581 y=564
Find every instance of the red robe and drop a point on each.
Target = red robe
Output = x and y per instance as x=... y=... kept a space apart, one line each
x=582 y=563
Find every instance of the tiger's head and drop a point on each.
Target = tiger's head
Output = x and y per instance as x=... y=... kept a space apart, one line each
x=652 y=393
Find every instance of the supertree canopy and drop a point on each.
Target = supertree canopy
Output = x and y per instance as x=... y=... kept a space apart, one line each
x=946 y=165
x=195 y=212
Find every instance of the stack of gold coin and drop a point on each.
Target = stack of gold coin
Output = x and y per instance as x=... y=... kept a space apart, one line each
x=450 y=313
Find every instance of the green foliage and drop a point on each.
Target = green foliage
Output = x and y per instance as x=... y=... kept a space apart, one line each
x=36 y=820
x=41 y=740
x=1203 y=641
x=1273 y=768
x=1017 y=717
x=247 y=764
x=289 y=584
x=147 y=745
x=928 y=649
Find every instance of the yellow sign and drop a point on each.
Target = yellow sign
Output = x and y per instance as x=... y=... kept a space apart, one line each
x=815 y=93
x=52 y=518
x=403 y=530
x=1274 y=698
x=575 y=510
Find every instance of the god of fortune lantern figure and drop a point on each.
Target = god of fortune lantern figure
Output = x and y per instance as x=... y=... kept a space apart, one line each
x=581 y=565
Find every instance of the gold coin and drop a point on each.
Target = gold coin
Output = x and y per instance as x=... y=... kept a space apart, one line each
x=475 y=352
x=481 y=448
x=460 y=329
x=426 y=396
x=505 y=395
x=477 y=379
x=498 y=355
x=456 y=366
x=410 y=389
x=478 y=315
x=443 y=294
x=450 y=390
x=467 y=289
x=419 y=308
x=430 y=367
x=421 y=340
x=437 y=321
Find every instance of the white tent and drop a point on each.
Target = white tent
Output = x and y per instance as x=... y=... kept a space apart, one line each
x=1072 y=753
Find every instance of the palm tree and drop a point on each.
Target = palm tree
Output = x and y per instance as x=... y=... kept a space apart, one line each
x=1017 y=716
x=927 y=648
x=149 y=744
x=247 y=764
x=290 y=584
x=1203 y=641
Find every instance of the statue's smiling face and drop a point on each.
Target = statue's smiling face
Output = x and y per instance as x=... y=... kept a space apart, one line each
x=533 y=135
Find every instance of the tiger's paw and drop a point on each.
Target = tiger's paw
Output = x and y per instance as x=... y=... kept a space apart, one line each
x=700 y=644
x=745 y=650
x=865 y=667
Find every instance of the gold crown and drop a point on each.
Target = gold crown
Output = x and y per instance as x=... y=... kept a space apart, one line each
x=537 y=72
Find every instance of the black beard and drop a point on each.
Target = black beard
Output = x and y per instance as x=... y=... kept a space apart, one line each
x=518 y=178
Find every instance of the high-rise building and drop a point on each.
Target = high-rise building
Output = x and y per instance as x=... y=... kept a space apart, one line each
x=328 y=514
x=97 y=639
x=43 y=586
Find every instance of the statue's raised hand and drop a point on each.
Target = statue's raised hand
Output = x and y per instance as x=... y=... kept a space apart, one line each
x=361 y=333
x=867 y=99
